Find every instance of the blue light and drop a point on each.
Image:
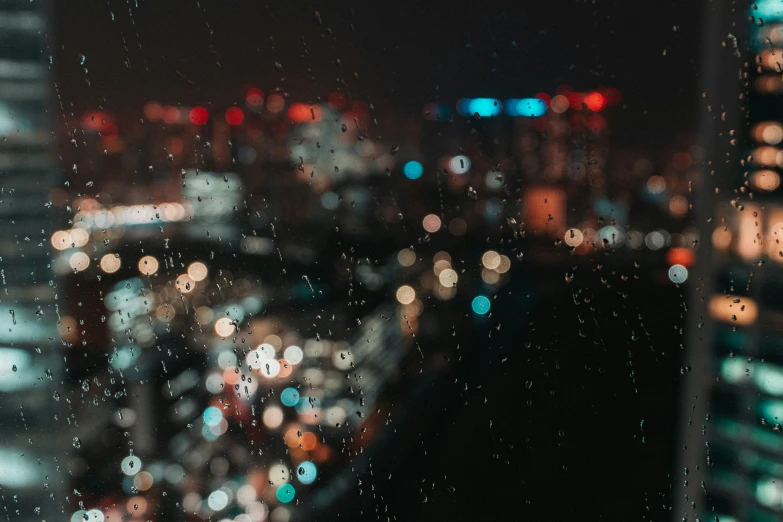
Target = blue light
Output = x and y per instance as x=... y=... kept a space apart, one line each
x=528 y=107
x=212 y=416
x=285 y=493
x=484 y=107
x=306 y=472
x=289 y=396
x=413 y=170
x=481 y=305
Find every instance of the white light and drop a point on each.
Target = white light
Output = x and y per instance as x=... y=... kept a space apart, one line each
x=217 y=500
x=678 y=274
x=93 y=515
x=272 y=417
x=270 y=368
x=459 y=164
x=131 y=465
x=293 y=354
x=279 y=474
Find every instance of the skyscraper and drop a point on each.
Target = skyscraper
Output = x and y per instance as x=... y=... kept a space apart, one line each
x=731 y=456
x=32 y=470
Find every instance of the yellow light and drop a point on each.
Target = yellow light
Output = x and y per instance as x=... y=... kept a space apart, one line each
x=406 y=294
x=185 y=283
x=748 y=244
x=490 y=277
x=198 y=271
x=766 y=180
x=79 y=261
x=148 y=265
x=505 y=265
x=574 y=237
x=448 y=277
x=272 y=417
x=406 y=257
x=740 y=311
x=165 y=313
x=223 y=327
x=110 y=263
x=440 y=266
x=61 y=240
x=204 y=315
x=444 y=293
x=442 y=256
x=490 y=259
x=766 y=156
x=79 y=237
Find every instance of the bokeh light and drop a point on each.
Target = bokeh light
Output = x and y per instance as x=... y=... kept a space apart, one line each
x=406 y=294
x=481 y=305
x=413 y=170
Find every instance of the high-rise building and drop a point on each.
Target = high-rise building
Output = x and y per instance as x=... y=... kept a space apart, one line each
x=730 y=463
x=32 y=463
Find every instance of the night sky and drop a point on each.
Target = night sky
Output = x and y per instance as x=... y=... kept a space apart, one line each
x=398 y=56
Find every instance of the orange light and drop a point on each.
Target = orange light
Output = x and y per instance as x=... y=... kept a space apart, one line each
x=595 y=101
x=153 y=111
x=732 y=309
x=300 y=112
x=680 y=256
x=171 y=115
x=309 y=441
x=545 y=210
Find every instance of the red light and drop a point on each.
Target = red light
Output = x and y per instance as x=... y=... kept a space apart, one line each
x=680 y=256
x=544 y=96
x=575 y=100
x=254 y=97
x=234 y=116
x=337 y=101
x=198 y=115
x=612 y=96
x=595 y=101
x=359 y=107
x=95 y=120
x=565 y=90
x=596 y=123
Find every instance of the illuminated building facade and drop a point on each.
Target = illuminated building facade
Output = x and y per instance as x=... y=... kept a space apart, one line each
x=730 y=466
x=33 y=455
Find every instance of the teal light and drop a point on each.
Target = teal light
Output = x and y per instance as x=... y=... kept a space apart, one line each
x=285 y=493
x=484 y=107
x=289 y=396
x=481 y=305
x=212 y=416
x=768 y=10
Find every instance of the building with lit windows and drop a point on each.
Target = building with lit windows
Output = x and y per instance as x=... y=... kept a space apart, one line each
x=730 y=466
x=32 y=453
